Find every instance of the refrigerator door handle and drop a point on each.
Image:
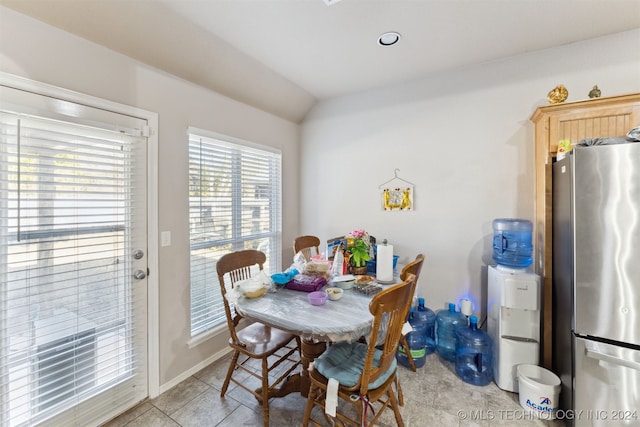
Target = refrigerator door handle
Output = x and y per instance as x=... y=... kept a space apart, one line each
x=595 y=354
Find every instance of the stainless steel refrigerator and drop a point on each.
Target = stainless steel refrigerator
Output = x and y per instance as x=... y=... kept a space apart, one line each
x=596 y=283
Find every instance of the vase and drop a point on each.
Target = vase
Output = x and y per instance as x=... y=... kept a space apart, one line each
x=358 y=270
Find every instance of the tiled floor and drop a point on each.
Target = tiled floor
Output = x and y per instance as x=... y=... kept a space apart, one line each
x=434 y=396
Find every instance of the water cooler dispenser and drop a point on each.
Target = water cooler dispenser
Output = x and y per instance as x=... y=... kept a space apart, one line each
x=513 y=322
x=513 y=311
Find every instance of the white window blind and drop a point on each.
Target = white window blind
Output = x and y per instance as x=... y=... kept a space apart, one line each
x=67 y=312
x=234 y=204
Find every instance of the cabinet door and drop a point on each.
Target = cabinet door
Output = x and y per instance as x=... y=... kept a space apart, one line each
x=596 y=123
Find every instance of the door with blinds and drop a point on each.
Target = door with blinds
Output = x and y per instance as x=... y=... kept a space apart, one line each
x=73 y=243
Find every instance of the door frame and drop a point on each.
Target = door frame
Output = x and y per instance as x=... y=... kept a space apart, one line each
x=153 y=352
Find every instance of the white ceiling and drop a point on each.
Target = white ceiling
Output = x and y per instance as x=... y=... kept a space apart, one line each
x=283 y=55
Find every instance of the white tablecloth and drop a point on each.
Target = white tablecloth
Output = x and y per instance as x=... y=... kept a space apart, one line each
x=344 y=320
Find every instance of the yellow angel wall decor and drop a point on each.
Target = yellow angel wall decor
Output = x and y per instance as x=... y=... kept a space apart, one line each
x=398 y=198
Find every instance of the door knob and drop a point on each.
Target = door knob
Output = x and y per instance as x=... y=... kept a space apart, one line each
x=139 y=274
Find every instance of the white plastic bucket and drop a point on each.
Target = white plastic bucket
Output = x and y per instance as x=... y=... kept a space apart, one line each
x=539 y=390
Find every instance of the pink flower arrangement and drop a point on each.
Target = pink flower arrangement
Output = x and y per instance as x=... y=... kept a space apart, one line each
x=357 y=233
x=358 y=246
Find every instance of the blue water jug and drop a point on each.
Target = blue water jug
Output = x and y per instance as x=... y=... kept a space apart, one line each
x=428 y=318
x=447 y=321
x=418 y=322
x=417 y=342
x=512 y=245
x=474 y=354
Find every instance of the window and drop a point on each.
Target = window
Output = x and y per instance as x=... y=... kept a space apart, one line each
x=234 y=204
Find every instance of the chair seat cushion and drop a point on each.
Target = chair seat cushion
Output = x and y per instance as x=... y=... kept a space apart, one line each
x=345 y=362
x=261 y=340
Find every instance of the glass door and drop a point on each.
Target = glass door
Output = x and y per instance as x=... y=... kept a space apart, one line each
x=73 y=244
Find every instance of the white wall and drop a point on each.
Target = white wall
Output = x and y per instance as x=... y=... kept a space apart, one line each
x=40 y=52
x=464 y=139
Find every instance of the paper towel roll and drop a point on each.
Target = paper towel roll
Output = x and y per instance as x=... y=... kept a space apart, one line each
x=384 y=263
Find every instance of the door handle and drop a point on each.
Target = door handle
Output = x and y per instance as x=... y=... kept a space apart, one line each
x=139 y=274
x=594 y=354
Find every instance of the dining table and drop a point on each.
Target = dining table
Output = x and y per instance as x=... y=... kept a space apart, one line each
x=346 y=319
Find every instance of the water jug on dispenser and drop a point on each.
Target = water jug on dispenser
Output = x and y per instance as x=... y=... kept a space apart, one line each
x=512 y=245
x=417 y=342
x=447 y=321
x=428 y=317
x=474 y=349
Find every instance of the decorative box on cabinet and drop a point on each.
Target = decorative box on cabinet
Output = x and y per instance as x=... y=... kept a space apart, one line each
x=601 y=117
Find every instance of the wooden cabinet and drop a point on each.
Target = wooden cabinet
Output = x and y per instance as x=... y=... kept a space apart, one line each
x=600 y=117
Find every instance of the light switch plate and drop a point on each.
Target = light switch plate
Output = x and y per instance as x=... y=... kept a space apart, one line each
x=165 y=238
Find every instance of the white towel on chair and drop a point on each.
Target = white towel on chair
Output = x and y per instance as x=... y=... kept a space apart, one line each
x=331 y=400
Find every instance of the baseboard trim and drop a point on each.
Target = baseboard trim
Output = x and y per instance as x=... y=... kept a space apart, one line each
x=186 y=374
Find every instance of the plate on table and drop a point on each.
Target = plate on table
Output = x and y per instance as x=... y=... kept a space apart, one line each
x=344 y=282
x=365 y=280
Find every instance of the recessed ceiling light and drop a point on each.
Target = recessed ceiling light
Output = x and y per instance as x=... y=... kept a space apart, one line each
x=388 y=39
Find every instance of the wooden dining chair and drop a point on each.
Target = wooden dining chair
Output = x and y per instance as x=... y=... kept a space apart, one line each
x=255 y=341
x=306 y=244
x=414 y=267
x=366 y=374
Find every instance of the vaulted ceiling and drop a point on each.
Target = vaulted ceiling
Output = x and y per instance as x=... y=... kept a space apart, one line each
x=284 y=55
